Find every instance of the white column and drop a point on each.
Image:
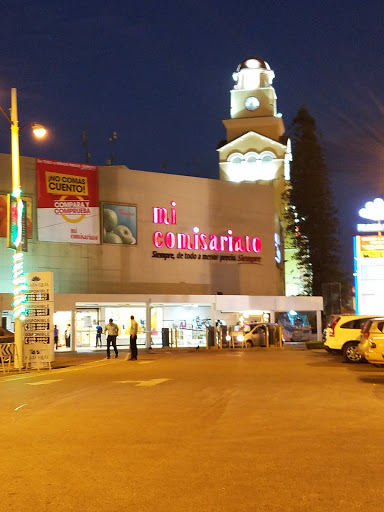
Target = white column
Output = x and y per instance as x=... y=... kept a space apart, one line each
x=148 y=334
x=318 y=326
x=73 y=331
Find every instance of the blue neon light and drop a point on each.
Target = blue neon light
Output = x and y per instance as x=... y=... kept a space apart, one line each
x=357 y=305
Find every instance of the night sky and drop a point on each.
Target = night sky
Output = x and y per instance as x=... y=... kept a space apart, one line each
x=160 y=75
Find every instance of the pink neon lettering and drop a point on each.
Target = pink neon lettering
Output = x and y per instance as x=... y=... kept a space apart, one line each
x=173 y=213
x=213 y=243
x=170 y=240
x=223 y=239
x=230 y=240
x=160 y=216
x=184 y=241
x=203 y=241
x=239 y=247
x=156 y=242
x=256 y=244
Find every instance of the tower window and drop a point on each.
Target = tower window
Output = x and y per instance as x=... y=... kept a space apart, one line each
x=252 y=166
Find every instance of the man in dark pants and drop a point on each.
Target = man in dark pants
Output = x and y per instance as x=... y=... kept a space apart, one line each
x=133 y=338
x=112 y=330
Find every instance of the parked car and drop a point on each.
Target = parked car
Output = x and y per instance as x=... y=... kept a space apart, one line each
x=343 y=335
x=371 y=346
x=6 y=336
x=255 y=336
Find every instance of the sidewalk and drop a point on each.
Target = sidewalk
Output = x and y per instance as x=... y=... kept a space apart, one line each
x=67 y=358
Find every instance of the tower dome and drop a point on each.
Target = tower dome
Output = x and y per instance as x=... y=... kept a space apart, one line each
x=253 y=63
x=253 y=73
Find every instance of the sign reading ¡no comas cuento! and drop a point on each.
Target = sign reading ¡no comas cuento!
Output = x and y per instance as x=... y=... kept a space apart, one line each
x=67 y=202
x=66 y=184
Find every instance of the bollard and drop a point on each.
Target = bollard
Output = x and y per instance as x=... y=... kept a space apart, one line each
x=206 y=338
x=171 y=338
x=280 y=337
x=266 y=336
x=175 y=338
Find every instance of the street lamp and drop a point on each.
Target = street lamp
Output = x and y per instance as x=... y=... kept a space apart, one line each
x=18 y=270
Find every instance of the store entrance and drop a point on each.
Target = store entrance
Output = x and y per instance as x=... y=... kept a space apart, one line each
x=86 y=322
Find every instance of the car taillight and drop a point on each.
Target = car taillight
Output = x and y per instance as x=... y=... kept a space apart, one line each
x=333 y=328
x=366 y=335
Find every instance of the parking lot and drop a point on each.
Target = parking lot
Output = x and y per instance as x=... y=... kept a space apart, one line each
x=220 y=430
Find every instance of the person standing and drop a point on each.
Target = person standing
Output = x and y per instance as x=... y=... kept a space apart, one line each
x=99 y=330
x=56 y=336
x=133 y=338
x=113 y=331
x=68 y=332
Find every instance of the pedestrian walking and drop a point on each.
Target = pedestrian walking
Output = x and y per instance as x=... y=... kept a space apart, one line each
x=113 y=331
x=56 y=336
x=99 y=330
x=133 y=339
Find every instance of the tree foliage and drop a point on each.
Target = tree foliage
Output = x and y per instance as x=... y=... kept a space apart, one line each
x=311 y=217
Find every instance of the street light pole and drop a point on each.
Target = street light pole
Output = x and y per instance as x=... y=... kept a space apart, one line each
x=18 y=279
x=18 y=255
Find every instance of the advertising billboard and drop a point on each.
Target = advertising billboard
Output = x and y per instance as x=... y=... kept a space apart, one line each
x=119 y=224
x=369 y=274
x=67 y=202
x=3 y=215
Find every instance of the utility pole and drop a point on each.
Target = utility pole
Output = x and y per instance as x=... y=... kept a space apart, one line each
x=112 y=140
x=86 y=147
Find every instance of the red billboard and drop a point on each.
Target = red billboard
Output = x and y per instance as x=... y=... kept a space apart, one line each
x=67 y=202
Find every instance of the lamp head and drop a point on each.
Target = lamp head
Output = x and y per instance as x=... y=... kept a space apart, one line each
x=38 y=130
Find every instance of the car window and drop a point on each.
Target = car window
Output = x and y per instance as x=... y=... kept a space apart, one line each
x=360 y=322
x=380 y=326
x=349 y=325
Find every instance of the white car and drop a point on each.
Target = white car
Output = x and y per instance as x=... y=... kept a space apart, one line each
x=343 y=335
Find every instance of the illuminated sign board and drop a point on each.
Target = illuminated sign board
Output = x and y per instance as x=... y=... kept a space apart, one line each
x=372 y=247
x=373 y=210
x=199 y=241
x=369 y=228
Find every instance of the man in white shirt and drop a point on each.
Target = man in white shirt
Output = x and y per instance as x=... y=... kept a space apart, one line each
x=133 y=338
x=113 y=331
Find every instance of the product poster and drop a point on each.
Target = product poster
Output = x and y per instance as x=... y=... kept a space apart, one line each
x=67 y=202
x=119 y=224
x=3 y=214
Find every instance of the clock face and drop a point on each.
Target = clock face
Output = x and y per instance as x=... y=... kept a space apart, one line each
x=252 y=103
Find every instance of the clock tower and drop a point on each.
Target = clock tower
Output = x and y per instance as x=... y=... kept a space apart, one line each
x=257 y=151
x=255 y=148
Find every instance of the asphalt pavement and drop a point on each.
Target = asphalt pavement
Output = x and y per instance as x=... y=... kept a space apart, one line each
x=231 y=430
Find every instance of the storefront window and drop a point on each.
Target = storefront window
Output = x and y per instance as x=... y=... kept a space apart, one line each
x=122 y=317
x=62 y=319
